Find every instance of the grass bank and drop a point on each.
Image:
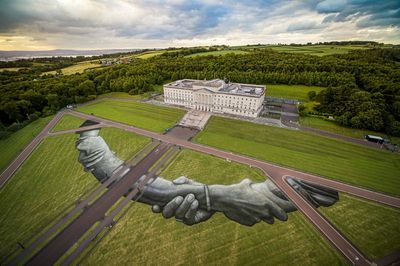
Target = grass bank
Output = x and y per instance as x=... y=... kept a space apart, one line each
x=351 y=163
x=147 y=116
x=68 y=122
x=332 y=126
x=12 y=145
x=373 y=227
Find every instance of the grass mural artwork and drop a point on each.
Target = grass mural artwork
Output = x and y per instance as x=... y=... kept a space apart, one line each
x=218 y=240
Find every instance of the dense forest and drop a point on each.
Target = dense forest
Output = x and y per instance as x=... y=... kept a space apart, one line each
x=362 y=87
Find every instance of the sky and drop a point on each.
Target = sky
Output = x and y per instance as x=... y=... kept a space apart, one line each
x=104 y=24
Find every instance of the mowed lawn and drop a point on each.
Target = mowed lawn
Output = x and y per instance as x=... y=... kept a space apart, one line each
x=77 y=68
x=12 y=145
x=125 y=95
x=48 y=182
x=147 y=55
x=373 y=227
x=218 y=53
x=351 y=163
x=147 y=116
x=68 y=122
x=145 y=238
x=318 y=50
x=296 y=92
x=332 y=126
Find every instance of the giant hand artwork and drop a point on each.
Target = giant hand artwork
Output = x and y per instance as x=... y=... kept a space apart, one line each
x=191 y=202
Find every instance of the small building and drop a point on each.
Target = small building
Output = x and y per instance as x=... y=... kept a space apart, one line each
x=216 y=96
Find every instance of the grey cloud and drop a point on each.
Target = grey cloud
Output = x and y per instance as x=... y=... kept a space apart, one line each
x=331 y=6
x=366 y=13
x=167 y=20
x=303 y=26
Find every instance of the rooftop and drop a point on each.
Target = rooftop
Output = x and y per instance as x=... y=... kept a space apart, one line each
x=218 y=85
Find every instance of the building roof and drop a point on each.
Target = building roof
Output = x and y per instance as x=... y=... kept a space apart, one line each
x=218 y=85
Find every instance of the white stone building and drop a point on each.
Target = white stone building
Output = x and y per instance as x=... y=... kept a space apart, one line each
x=216 y=96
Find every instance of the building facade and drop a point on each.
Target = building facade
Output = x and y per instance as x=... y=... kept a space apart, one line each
x=216 y=96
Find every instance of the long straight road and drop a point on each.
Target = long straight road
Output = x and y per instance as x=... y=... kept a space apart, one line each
x=10 y=170
x=63 y=241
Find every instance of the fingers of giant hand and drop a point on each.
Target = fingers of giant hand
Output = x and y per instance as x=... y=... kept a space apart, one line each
x=82 y=146
x=156 y=209
x=268 y=219
x=180 y=180
x=202 y=215
x=244 y=220
x=171 y=207
x=191 y=212
x=246 y=182
x=274 y=189
x=185 y=206
x=277 y=211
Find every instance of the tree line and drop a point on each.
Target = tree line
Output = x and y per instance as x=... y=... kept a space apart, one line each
x=362 y=87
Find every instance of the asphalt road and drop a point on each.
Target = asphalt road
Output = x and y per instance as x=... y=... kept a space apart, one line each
x=10 y=170
x=63 y=241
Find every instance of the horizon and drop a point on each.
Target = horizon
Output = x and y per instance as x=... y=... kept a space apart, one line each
x=179 y=47
x=157 y=24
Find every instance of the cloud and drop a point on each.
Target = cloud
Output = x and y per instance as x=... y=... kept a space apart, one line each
x=365 y=13
x=163 y=23
x=331 y=6
x=304 y=26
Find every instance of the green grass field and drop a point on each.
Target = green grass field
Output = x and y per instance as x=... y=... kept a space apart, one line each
x=144 y=238
x=150 y=54
x=218 y=53
x=317 y=50
x=77 y=68
x=373 y=227
x=297 y=92
x=10 y=69
x=68 y=122
x=12 y=145
x=351 y=163
x=48 y=182
x=147 y=116
x=333 y=127
x=124 y=95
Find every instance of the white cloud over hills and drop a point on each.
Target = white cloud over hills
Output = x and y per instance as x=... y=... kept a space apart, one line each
x=89 y=24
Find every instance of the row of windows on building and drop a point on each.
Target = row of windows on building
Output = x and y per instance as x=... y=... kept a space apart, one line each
x=224 y=104
x=189 y=94
x=246 y=102
x=215 y=106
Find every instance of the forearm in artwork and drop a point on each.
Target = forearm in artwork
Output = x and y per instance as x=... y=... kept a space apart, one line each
x=162 y=191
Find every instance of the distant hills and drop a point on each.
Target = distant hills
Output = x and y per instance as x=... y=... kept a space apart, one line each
x=15 y=55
